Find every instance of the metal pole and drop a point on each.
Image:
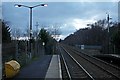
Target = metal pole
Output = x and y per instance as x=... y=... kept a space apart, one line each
x=108 y=33
x=108 y=22
x=36 y=43
x=16 y=56
x=30 y=42
x=26 y=50
x=30 y=31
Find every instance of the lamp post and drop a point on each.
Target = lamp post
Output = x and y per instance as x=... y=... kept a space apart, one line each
x=30 y=7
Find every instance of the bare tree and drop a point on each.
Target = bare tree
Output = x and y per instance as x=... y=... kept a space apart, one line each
x=54 y=30
x=16 y=33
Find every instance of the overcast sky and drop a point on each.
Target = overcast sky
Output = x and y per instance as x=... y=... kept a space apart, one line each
x=70 y=16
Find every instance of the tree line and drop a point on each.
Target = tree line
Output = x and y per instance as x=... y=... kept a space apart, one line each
x=43 y=36
x=42 y=43
x=97 y=34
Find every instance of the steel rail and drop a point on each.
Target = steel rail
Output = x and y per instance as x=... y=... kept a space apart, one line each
x=99 y=60
x=65 y=65
x=98 y=65
x=91 y=77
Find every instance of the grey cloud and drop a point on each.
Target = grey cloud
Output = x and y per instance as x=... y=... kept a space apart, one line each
x=56 y=12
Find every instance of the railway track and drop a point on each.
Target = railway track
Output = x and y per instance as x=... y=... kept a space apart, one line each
x=71 y=69
x=82 y=66
x=111 y=69
x=78 y=51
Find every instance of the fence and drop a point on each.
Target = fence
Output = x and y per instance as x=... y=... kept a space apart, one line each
x=19 y=51
x=8 y=51
x=8 y=48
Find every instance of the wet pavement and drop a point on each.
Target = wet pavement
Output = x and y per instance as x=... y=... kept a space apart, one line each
x=36 y=69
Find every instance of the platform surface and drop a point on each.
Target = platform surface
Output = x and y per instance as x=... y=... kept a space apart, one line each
x=36 y=69
x=54 y=70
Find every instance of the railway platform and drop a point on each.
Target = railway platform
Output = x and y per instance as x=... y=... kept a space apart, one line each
x=37 y=69
x=114 y=55
x=110 y=55
x=54 y=70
